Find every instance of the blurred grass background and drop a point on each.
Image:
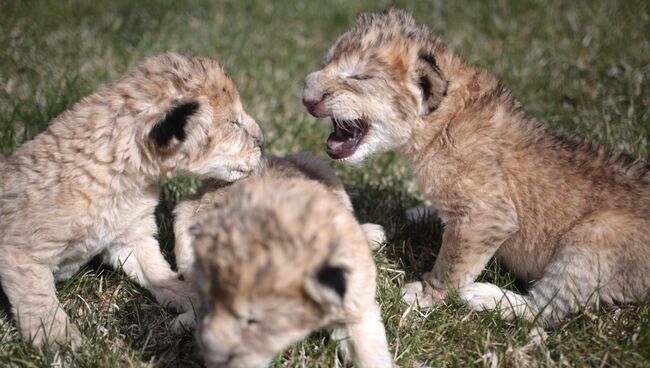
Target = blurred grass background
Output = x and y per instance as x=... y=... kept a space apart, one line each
x=581 y=66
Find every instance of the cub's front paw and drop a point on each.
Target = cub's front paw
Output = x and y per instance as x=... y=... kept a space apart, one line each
x=422 y=295
x=179 y=298
x=183 y=322
x=57 y=334
x=481 y=296
x=342 y=335
x=414 y=294
x=375 y=235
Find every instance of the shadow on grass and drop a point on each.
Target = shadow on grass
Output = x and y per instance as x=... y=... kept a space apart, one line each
x=5 y=307
x=413 y=245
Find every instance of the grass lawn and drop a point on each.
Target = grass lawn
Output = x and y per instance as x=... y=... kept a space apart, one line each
x=581 y=66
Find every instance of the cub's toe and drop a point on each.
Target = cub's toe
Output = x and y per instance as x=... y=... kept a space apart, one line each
x=183 y=322
x=415 y=294
x=60 y=334
x=480 y=296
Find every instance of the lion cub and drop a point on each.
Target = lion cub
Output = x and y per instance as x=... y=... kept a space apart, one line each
x=298 y=165
x=561 y=211
x=88 y=184
x=276 y=259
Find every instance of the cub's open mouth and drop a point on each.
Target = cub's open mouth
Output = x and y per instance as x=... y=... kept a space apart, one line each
x=346 y=138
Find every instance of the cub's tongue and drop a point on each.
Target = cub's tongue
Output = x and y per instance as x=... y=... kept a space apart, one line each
x=342 y=143
x=334 y=143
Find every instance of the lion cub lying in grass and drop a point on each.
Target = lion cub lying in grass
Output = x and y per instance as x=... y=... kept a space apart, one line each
x=88 y=184
x=277 y=257
x=561 y=211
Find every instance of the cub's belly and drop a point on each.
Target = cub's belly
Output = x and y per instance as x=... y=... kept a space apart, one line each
x=107 y=224
x=76 y=255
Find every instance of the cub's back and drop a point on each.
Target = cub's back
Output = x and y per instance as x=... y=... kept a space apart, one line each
x=303 y=166
x=299 y=165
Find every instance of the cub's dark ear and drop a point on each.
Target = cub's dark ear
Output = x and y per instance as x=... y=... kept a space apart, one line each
x=172 y=125
x=430 y=81
x=327 y=285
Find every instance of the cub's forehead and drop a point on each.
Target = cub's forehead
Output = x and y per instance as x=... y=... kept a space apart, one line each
x=267 y=302
x=188 y=72
x=256 y=280
x=372 y=31
x=242 y=259
x=260 y=225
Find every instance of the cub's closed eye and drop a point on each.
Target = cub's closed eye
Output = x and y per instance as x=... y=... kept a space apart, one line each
x=235 y=122
x=252 y=322
x=360 y=77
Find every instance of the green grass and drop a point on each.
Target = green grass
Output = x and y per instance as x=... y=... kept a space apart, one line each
x=581 y=66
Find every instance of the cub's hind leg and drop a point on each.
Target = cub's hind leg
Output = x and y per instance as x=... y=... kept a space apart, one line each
x=30 y=287
x=567 y=283
x=605 y=258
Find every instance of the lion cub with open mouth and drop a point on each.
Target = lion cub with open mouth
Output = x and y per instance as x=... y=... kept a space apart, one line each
x=559 y=210
x=88 y=184
x=277 y=258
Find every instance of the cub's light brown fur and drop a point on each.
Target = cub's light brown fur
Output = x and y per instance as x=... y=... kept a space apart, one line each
x=276 y=260
x=568 y=214
x=299 y=165
x=88 y=184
